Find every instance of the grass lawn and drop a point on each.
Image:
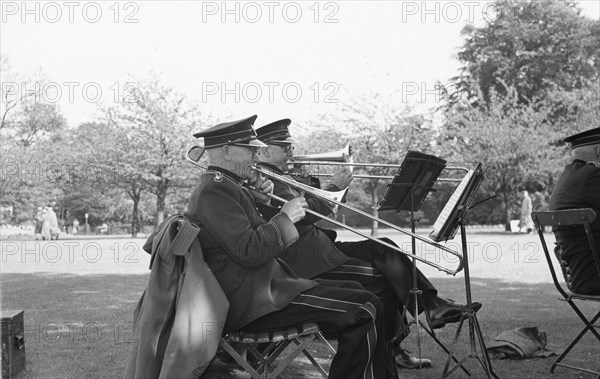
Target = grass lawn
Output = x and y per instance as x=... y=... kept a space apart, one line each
x=78 y=311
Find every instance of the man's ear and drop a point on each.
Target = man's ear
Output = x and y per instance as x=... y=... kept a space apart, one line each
x=265 y=152
x=226 y=153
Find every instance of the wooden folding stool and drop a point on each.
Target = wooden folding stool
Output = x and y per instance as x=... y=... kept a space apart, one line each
x=264 y=365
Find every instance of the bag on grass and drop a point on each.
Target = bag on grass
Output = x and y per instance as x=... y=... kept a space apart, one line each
x=520 y=343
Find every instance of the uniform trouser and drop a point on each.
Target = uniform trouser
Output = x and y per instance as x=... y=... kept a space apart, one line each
x=369 y=278
x=580 y=271
x=397 y=269
x=353 y=316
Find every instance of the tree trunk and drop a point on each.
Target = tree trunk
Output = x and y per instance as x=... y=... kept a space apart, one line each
x=374 y=224
x=506 y=213
x=135 y=218
x=136 y=195
x=160 y=210
x=161 y=198
x=160 y=207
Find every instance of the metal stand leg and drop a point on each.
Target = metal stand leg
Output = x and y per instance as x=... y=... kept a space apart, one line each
x=415 y=292
x=428 y=330
x=474 y=329
x=440 y=344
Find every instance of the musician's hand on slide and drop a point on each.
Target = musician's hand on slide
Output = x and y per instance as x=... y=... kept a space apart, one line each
x=341 y=177
x=304 y=174
x=262 y=189
x=295 y=209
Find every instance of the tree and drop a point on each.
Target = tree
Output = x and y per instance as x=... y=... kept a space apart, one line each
x=575 y=110
x=26 y=180
x=12 y=97
x=158 y=123
x=107 y=159
x=532 y=46
x=24 y=121
x=37 y=120
x=529 y=79
x=512 y=140
x=24 y=115
x=32 y=175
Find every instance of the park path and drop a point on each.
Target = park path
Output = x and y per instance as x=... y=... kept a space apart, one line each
x=494 y=255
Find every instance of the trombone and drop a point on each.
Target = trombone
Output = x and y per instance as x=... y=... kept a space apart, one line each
x=194 y=154
x=343 y=157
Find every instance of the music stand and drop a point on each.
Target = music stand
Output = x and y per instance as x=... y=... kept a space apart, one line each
x=412 y=182
x=452 y=217
x=407 y=192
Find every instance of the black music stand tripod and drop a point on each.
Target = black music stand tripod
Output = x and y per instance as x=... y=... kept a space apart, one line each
x=416 y=293
x=408 y=190
x=470 y=316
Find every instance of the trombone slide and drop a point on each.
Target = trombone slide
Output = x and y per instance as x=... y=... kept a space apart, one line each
x=311 y=190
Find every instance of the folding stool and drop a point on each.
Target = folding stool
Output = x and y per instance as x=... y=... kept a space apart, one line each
x=278 y=340
x=582 y=217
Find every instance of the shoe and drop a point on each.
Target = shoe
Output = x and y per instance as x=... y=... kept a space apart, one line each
x=448 y=311
x=405 y=360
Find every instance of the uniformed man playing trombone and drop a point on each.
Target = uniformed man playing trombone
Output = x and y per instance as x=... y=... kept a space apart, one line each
x=317 y=255
x=243 y=250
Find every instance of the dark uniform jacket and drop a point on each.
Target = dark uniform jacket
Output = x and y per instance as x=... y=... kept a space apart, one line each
x=579 y=187
x=314 y=253
x=242 y=248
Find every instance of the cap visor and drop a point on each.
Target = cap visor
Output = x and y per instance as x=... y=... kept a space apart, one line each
x=255 y=143
x=289 y=140
x=275 y=141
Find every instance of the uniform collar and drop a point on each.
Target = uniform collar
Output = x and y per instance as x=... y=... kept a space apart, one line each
x=227 y=174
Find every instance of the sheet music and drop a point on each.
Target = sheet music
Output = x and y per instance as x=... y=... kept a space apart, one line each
x=412 y=182
x=450 y=206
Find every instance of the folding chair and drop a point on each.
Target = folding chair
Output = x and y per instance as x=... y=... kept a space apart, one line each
x=264 y=365
x=571 y=217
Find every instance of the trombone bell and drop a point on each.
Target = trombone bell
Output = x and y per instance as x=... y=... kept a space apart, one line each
x=342 y=155
x=331 y=195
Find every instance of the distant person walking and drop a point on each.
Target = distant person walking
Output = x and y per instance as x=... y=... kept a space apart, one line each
x=45 y=231
x=50 y=228
x=526 y=208
x=75 y=226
